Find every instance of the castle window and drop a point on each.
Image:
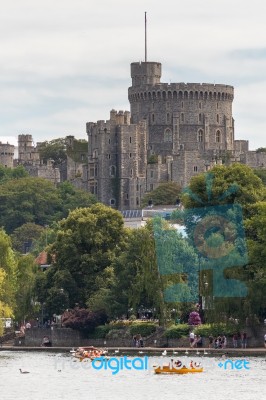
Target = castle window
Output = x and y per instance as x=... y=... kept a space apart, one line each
x=130 y=139
x=130 y=155
x=109 y=156
x=96 y=170
x=217 y=118
x=182 y=117
x=137 y=201
x=217 y=105
x=151 y=186
x=152 y=118
x=112 y=170
x=109 y=141
x=112 y=202
x=200 y=105
x=137 y=187
x=199 y=117
x=82 y=157
x=151 y=174
x=131 y=172
x=127 y=196
x=91 y=172
x=218 y=137
x=167 y=118
x=182 y=104
x=95 y=154
x=168 y=137
x=195 y=168
x=200 y=135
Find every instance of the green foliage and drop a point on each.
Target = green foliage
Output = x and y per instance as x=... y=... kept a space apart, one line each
x=261 y=173
x=153 y=159
x=25 y=200
x=215 y=330
x=164 y=194
x=8 y=276
x=26 y=272
x=72 y=198
x=87 y=242
x=7 y=174
x=38 y=201
x=100 y=332
x=54 y=150
x=28 y=232
x=177 y=331
x=248 y=187
x=143 y=328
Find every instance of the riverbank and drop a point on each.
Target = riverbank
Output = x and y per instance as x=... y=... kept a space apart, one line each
x=233 y=352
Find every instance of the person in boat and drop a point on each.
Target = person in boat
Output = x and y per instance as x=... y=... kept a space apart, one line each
x=178 y=363
x=191 y=364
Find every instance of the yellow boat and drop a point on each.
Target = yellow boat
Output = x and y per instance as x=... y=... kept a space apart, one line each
x=170 y=370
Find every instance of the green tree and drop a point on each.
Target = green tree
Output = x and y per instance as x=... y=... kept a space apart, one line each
x=26 y=272
x=72 y=198
x=54 y=150
x=165 y=193
x=86 y=244
x=8 y=275
x=7 y=174
x=25 y=200
x=26 y=233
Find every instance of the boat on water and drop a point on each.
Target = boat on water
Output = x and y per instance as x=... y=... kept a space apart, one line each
x=89 y=352
x=166 y=369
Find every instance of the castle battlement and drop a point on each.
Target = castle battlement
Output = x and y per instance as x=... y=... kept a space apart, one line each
x=182 y=91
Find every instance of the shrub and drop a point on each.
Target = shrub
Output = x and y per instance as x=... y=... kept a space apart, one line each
x=83 y=320
x=143 y=328
x=177 y=331
x=215 y=330
x=100 y=332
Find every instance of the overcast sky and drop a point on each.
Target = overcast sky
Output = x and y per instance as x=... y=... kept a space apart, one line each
x=66 y=62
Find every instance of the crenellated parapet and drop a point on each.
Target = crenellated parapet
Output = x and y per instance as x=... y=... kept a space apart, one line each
x=181 y=91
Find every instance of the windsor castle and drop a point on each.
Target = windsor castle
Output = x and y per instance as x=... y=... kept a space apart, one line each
x=172 y=132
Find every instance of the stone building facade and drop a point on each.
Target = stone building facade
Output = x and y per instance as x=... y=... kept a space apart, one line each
x=172 y=132
x=29 y=157
x=6 y=154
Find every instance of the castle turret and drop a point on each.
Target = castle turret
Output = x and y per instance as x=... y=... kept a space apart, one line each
x=146 y=73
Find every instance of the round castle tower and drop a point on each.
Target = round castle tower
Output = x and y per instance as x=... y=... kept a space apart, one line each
x=181 y=116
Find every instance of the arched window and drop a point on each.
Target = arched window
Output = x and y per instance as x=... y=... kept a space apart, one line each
x=168 y=137
x=200 y=135
x=217 y=118
x=218 y=137
x=200 y=118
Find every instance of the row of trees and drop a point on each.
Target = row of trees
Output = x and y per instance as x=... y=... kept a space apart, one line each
x=97 y=263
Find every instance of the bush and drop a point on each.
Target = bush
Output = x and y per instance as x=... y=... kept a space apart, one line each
x=177 y=331
x=194 y=318
x=143 y=328
x=83 y=319
x=215 y=330
x=100 y=332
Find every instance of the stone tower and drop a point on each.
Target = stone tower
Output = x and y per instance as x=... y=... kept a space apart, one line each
x=181 y=116
x=117 y=160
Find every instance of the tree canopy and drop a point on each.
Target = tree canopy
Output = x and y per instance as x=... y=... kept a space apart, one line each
x=164 y=194
x=38 y=201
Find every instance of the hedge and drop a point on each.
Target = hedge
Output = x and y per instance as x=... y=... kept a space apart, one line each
x=215 y=330
x=177 y=331
x=144 y=329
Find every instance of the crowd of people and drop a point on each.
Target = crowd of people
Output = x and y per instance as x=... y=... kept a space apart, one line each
x=220 y=341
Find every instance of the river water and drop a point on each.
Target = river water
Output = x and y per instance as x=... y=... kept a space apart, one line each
x=56 y=376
